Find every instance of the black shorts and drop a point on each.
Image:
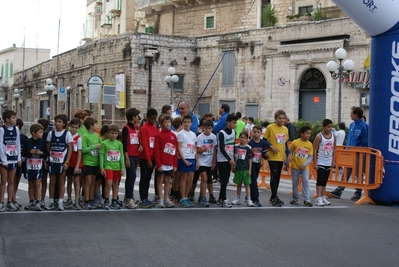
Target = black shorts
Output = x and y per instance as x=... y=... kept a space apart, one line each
x=208 y=171
x=99 y=177
x=166 y=173
x=71 y=172
x=90 y=170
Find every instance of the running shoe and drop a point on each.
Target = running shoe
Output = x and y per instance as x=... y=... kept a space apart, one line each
x=11 y=207
x=325 y=201
x=250 y=203
x=307 y=204
x=236 y=201
x=169 y=204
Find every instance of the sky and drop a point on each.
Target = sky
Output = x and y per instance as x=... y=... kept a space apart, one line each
x=37 y=21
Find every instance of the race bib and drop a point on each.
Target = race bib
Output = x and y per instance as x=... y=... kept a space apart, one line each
x=34 y=164
x=134 y=139
x=241 y=153
x=56 y=157
x=209 y=149
x=302 y=153
x=152 y=142
x=190 y=149
x=170 y=149
x=113 y=155
x=11 y=150
x=257 y=157
x=229 y=150
x=94 y=152
x=75 y=145
x=280 y=138
x=328 y=149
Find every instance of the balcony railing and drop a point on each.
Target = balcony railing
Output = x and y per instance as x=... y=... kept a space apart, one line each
x=146 y=4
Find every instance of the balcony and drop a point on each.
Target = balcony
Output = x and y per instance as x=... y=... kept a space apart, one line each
x=148 y=5
x=97 y=11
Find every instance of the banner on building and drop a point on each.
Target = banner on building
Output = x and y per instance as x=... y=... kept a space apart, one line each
x=120 y=95
x=62 y=94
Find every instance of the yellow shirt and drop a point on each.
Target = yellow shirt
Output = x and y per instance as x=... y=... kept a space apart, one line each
x=300 y=152
x=277 y=136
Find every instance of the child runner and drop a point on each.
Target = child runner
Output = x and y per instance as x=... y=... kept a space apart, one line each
x=277 y=135
x=74 y=172
x=45 y=123
x=174 y=192
x=20 y=169
x=147 y=160
x=206 y=148
x=35 y=152
x=259 y=150
x=302 y=154
x=323 y=160
x=131 y=148
x=91 y=144
x=188 y=161
x=10 y=156
x=243 y=168
x=59 y=145
x=165 y=152
x=112 y=165
x=225 y=157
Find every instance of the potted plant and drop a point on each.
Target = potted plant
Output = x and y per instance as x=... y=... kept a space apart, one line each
x=269 y=16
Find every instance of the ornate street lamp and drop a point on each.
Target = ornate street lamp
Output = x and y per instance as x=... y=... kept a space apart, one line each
x=49 y=87
x=171 y=79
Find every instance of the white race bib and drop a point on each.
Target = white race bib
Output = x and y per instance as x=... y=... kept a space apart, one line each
x=56 y=157
x=11 y=150
x=170 y=149
x=302 y=153
x=134 y=139
x=152 y=142
x=34 y=164
x=113 y=155
x=280 y=138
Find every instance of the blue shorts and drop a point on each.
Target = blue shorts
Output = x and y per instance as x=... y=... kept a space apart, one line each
x=183 y=168
x=33 y=175
x=10 y=166
x=55 y=169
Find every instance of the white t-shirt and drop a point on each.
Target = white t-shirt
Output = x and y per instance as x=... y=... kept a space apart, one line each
x=210 y=142
x=68 y=137
x=340 y=135
x=78 y=145
x=188 y=140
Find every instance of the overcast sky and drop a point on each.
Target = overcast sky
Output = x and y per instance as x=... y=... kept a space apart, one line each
x=37 y=20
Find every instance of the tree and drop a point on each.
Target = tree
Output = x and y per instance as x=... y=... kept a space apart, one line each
x=269 y=16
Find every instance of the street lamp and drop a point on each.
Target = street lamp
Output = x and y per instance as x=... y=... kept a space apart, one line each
x=339 y=72
x=16 y=97
x=49 y=87
x=171 y=79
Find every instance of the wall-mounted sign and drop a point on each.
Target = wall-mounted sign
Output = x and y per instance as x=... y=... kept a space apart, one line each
x=316 y=99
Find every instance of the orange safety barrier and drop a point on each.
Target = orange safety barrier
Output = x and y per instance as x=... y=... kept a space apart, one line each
x=358 y=159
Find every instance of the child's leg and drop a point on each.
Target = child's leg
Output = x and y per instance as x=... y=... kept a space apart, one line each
x=239 y=190
x=52 y=185
x=195 y=181
x=10 y=185
x=87 y=185
x=76 y=186
x=176 y=182
x=248 y=191
x=107 y=190
x=224 y=175
x=115 y=184
x=160 y=181
x=36 y=189
x=69 y=185
x=204 y=180
x=131 y=174
x=305 y=185
x=189 y=182
x=166 y=186
x=16 y=182
x=44 y=185
x=295 y=179
x=275 y=171
x=31 y=189
x=61 y=186
x=254 y=182
x=3 y=179
x=182 y=185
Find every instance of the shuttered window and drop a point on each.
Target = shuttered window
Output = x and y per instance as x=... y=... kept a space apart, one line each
x=228 y=69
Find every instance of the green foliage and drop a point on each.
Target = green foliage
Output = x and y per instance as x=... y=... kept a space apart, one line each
x=318 y=14
x=269 y=16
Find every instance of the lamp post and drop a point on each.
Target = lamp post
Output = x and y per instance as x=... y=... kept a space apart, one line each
x=16 y=97
x=339 y=72
x=171 y=79
x=49 y=87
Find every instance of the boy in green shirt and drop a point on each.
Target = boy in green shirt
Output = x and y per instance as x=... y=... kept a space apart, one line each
x=91 y=144
x=112 y=165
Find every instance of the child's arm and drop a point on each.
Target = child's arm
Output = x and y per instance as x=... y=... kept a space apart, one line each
x=249 y=151
x=125 y=143
x=122 y=159
x=316 y=144
x=157 y=152
x=333 y=154
x=101 y=159
x=86 y=148
x=3 y=156
x=68 y=157
x=175 y=158
x=18 y=143
x=79 y=157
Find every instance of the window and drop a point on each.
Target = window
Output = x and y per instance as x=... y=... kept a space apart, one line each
x=180 y=84
x=203 y=108
x=209 y=21
x=11 y=69
x=228 y=69
x=252 y=110
x=305 y=9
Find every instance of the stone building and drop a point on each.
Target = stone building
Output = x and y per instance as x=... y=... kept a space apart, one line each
x=263 y=68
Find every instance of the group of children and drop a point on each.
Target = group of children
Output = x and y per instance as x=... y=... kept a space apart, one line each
x=87 y=160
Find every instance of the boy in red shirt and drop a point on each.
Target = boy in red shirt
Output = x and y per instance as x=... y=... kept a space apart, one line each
x=165 y=159
x=147 y=161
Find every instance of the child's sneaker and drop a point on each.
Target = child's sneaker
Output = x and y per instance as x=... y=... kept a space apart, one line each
x=212 y=199
x=1 y=206
x=204 y=202
x=76 y=206
x=129 y=204
x=11 y=207
x=30 y=206
x=68 y=204
x=86 y=205
x=17 y=205
x=236 y=201
x=325 y=201
x=185 y=203
x=115 y=205
x=191 y=196
x=225 y=204
x=106 y=204
x=38 y=207
x=169 y=204
x=307 y=203
x=294 y=202
x=250 y=203
x=319 y=202
x=277 y=202
x=145 y=204
x=61 y=205
x=160 y=204
x=257 y=203
x=155 y=200
x=199 y=201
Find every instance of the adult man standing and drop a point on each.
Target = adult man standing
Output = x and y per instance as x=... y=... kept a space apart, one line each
x=182 y=110
x=224 y=110
x=291 y=129
x=357 y=136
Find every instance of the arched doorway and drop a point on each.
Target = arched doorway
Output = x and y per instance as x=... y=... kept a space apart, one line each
x=312 y=96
